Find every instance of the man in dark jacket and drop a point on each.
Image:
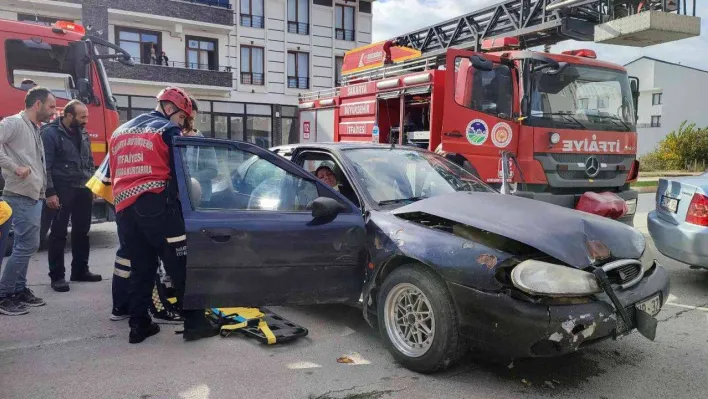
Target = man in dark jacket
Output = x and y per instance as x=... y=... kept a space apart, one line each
x=69 y=166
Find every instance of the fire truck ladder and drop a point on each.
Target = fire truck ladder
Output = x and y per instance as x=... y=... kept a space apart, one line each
x=533 y=22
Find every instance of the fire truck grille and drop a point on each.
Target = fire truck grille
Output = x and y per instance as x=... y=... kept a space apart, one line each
x=581 y=158
x=581 y=175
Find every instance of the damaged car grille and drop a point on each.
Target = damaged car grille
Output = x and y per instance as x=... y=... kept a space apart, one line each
x=622 y=327
x=624 y=274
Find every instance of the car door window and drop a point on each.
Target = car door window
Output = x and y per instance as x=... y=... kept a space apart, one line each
x=244 y=181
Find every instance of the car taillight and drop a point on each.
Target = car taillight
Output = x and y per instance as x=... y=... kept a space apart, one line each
x=698 y=210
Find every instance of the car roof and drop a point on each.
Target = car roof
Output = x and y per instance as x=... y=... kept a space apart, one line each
x=332 y=146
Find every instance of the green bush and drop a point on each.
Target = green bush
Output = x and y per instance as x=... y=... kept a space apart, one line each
x=683 y=149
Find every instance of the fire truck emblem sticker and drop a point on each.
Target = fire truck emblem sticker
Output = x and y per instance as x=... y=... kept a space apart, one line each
x=501 y=134
x=477 y=132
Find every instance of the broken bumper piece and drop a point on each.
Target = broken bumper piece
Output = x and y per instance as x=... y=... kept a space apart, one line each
x=516 y=328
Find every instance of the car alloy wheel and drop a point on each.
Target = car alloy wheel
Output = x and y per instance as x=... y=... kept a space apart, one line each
x=409 y=319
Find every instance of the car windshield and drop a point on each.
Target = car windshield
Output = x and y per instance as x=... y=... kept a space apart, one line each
x=582 y=97
x=401 y=176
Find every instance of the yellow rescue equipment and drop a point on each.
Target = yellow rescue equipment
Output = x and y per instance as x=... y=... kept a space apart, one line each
x=262 y=324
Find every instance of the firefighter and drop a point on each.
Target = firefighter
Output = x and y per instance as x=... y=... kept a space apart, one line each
x=148 y=210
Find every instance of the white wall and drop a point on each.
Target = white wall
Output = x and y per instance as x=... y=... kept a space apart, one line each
x=683 y=94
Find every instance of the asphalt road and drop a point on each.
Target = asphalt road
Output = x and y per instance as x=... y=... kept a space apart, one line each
x=70 y=349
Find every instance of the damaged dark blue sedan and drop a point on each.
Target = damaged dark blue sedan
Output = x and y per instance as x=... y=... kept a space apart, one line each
x=437 y=260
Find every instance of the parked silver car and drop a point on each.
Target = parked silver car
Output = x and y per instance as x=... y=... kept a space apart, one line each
x=679 y=224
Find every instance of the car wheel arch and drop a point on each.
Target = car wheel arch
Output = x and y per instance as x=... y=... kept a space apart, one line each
x=398 y=261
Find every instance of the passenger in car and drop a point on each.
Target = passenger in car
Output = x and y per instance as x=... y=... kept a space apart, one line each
x=326 y=175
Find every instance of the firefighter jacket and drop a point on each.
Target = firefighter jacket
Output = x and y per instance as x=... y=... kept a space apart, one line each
x=141 y=158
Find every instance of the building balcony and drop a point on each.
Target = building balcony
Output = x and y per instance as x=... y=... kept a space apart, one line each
x=175 y=72
x=217 y=12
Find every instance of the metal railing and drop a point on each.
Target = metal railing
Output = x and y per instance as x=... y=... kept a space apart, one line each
x=648 y=125
x=184 y=65
x=213 y=3
x=295 y=82
x=344 y=34
x=250 y=78
x=314 y=95
x=300 y=28
x=420 y=64
x=252 y=21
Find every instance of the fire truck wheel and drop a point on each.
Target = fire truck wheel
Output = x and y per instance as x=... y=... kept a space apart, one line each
x=417 y=320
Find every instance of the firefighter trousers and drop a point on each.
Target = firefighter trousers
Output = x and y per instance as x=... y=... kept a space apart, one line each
x=152 y=229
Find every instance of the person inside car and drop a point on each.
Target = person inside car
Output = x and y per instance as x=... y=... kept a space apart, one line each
x=326 y=175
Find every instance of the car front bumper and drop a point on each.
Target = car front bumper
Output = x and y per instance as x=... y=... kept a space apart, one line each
x=685 y=242
x=516 y=328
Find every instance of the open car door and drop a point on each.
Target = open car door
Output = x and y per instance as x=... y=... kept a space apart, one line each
x=252 y=240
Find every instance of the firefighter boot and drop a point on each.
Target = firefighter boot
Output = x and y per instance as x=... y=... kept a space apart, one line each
x=138 y=334
x=197 y=326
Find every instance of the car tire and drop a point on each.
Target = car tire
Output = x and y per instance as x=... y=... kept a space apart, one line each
x=422 y=352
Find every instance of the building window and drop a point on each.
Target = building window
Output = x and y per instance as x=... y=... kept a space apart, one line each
x=299 y=17
x=603 y=102
x=252 y=65
x=298 y=70
x=289 y=132
x=584 y=103
x=252 y=14
x=201 y=53
x=344 y=23
x=338 y=63
x=46 y=21
x=656 y=121
x=142 y=45
x=656 y=99
x=214 y=3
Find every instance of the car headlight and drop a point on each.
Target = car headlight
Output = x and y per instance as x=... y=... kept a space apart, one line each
x=548 y=279
x=647 y=259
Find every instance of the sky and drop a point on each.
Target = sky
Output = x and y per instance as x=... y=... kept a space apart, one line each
x=395 y=17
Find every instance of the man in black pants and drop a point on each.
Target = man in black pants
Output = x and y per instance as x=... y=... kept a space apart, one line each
x=67 y=149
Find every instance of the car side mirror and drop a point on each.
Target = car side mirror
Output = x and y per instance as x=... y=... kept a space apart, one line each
x=325 y=208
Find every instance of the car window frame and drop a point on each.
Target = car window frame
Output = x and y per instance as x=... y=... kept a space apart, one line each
x=340 y=163
x=288 y=166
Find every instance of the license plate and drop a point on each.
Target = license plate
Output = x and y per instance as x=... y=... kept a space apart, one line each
x=651 y=305
x=670 y=204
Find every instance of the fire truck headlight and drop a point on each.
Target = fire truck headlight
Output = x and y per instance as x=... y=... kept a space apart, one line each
x=555 y=138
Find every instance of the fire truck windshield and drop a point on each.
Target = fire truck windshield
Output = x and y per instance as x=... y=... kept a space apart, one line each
x=582 y=97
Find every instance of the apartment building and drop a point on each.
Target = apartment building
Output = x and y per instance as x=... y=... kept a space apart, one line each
x=669 y=94
x=245 y=60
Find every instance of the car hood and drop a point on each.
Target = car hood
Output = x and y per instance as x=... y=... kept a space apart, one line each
x=559 y=232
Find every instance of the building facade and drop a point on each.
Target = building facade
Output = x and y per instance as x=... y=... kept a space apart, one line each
x=669 y=95
x=245 y=60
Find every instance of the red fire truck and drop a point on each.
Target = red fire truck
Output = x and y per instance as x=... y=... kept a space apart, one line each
x=63 y=57
x=468 y=89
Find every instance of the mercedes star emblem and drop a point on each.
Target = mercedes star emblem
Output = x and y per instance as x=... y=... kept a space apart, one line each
x=592 y=167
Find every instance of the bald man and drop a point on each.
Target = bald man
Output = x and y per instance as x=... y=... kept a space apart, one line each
x=67 y=149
